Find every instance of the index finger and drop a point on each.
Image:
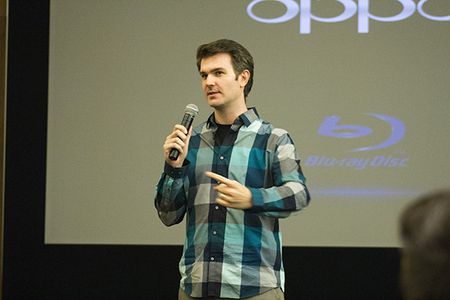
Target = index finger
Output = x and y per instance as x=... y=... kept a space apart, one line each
x=218 y=177
x=181 y=127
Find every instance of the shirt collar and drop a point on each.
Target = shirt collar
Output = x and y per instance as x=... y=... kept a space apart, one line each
x=244 y=119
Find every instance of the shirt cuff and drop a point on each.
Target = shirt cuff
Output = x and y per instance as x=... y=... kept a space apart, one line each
x=257 y=201
x=176 y=172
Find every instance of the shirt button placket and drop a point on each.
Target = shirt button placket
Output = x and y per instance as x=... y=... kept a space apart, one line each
x=213 y=232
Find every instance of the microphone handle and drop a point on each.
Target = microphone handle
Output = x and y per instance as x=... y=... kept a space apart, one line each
x=186 y=122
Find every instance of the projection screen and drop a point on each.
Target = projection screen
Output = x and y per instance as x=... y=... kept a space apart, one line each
x=362 y=87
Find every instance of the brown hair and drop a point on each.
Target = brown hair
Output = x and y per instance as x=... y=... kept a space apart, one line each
x=241 y=59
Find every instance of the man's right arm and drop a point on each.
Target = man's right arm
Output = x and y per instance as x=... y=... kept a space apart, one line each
x=170 y=200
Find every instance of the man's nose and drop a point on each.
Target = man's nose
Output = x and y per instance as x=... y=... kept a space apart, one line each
x=209 y=80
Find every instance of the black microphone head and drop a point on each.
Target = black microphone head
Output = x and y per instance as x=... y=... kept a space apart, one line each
x=191 y=109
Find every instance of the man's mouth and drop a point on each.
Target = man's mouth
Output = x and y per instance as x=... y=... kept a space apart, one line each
x=212 y=93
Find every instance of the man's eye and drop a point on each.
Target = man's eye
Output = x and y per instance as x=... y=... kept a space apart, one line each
x=218 y=73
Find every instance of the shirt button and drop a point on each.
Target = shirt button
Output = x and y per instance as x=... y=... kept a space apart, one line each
x=212 y=258
x=216 y=207
x=214 y=232
x=221 y=157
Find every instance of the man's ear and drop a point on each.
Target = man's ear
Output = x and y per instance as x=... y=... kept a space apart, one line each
x=244 y=77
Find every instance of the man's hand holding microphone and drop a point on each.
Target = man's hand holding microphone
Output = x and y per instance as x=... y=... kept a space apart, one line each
x=176 y=145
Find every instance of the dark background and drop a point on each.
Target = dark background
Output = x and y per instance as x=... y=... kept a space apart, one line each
x=33 y=270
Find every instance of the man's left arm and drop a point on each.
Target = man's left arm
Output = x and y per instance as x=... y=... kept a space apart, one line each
x=288 y=193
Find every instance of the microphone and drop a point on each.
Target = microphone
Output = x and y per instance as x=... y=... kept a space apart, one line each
x=190 y=112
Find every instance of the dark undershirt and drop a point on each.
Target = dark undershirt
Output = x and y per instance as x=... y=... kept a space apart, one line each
x=224 y=135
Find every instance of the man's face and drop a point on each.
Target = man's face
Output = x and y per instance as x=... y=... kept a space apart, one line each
x=219 y=83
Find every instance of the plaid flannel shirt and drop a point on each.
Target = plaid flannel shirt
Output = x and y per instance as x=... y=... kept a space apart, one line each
x=233 y=253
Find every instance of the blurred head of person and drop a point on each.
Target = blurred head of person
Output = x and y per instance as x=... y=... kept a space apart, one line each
x=425 y=236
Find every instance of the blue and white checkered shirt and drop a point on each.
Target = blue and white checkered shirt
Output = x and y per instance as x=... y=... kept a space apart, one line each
x=233 y=253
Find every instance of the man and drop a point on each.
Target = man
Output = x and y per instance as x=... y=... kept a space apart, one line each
x=425 y=234
x=235 y=176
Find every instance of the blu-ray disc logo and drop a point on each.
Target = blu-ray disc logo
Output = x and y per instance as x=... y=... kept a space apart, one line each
x=331 y=127
x=303 y=8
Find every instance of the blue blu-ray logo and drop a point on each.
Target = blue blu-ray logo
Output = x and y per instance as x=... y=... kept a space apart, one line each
x=331 y=127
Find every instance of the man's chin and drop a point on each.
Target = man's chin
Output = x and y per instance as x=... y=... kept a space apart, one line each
x=214 y=102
